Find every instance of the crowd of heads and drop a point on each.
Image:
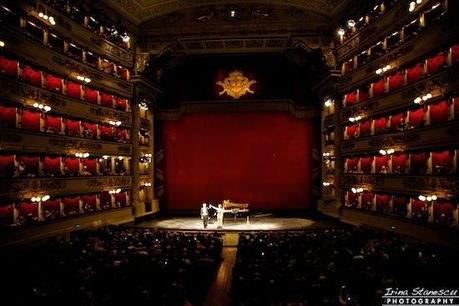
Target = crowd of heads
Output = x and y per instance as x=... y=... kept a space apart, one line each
x=349 y=266
x=113 y=266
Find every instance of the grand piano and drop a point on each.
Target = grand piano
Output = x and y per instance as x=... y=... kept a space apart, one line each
x=236 y=209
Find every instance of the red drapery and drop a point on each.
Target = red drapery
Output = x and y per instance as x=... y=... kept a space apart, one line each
x=441 y=159
x=72 y=127
x=6 y=214
x=53 y=83
x=365 y=164
x=400 y=205
x=396 y=120
x=90 y=129
x=9 y=67
x=32 y=76
x=434 y=64
x=121 y=104
x=365 y=128
x=396 y=81
x=30 y=120
x=27 y=213
x=91 y=165
x=74 y=90
x=416 y=117
x=455 y=53
x=121 y=199
x=352 y=164
x=30 y=164
x=381 y=164
x=350 y=99
x=351 y=131
x=106 y=132
x=51 y=209
x=8 y=116
x=71 y=165
x=7 y=166
x=418 y=161
x=399 y=161
x=380 y=125
x=363 y=95
x=382 y=203
x=443 y=212
x=71 y=205
x=379 y=87
x=106 y=100
x=122 y=134
x=89 y=202
x=367 y=199
x=439 y=112
x=414 y=73
x=90 y=95
x=53 y=124
x=418 y=207
x=51 y=166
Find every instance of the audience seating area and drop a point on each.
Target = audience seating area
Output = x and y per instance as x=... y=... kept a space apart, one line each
x=350 y=266
x=113 y=266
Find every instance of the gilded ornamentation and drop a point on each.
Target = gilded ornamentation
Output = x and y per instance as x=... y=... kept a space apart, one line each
x=236 y=85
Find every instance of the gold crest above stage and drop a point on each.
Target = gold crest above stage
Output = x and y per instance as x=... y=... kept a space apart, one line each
x=236 y=85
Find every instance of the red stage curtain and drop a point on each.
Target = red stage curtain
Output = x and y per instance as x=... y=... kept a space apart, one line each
x=105 y=199
x=89 y=202
x=9 y=67
x=414 y=73
x=121 y=104
x=30 y=120
x=53 y=83
x=106 y=132
x=367 y=199
x=397 y=121
x=399 y=161
x=106 y=99
x=379 y=87
x=53 y=124
x=51 y=209
x=90 y=95
x=443 y=212
x=71 y=205
x=91 y=165
x=7 y=166
x=416 y=117
x=380 y=162
x=352 y=199
x=51 y=166
x=455 y=53
x=365 y=128
x=439 y=112
x=400 y=205
x=396 y=81
x=418 y=162
x=31 y=165
x=89 y=130
x=122 y=135
x=434 y=64
x=74 y=90
x=6 y=215
x=363 y=95
x=71 y=166
x=72 y=127
x=351 y=131
x=121 y=199
x=380 y=125
x=382 y=203
x=350 y=99
x=365 y=164
x=27 y=213
x=352 y=164
x=8 y=116
x=32 y=76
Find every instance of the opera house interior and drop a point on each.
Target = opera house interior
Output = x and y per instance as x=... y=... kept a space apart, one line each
x=236 y=152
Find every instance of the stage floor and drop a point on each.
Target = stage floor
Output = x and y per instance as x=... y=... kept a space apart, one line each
x=255 y=224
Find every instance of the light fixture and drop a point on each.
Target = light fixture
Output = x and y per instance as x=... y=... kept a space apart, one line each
x=83 y=78
x=382 y=152
x=45 y=198
x=126 y=38
x=351 y=23
x=427 y=198
x=43 y=107
x=47 y=18
x=328 y=103
x=82 y=155
x=232 y=13
x=2 y=44
x=357 y=190
x=355 y=119
x=120 y=157
x=413 y=5
x=423 y=98
x=148 y=184
x=105 y=156
x=383 y=69
x=47 y=108
x=387 y=152
x=341 y=32
x=117 y=123
x=326 y=184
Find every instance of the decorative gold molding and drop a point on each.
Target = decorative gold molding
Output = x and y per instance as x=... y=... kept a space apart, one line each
x=236 y=85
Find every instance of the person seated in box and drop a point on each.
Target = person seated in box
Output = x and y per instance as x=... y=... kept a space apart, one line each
x=85 y=171
x=401 y=126
x=20 y=170
x=88 y=208
x=49 y=214
x=87 y=133
x=384 y=169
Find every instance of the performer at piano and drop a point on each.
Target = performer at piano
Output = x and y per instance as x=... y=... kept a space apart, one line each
x=220 y=212
x=204 y=215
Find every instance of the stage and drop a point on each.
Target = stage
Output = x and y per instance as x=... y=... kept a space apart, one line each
x=268 y=223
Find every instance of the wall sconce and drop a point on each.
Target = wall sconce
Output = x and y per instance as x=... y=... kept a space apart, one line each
x=341 y=32
x=328 y=103
x=82 y=155
x=422 y=99
x=148 y=184
x=2 y=43
x=355 y=119
x=413 y=5
x=427 y=198
x=326 y=184
x=126 y=38
x=45 y=108
x=105 y=156
x=47 y=18
x=113 y=191
x=386 y=152
x=350 y=23
x=357 y=190
x=384 y=69
x=83 y=78
x=120 y=157
x=114 y=123
x=40 y=199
